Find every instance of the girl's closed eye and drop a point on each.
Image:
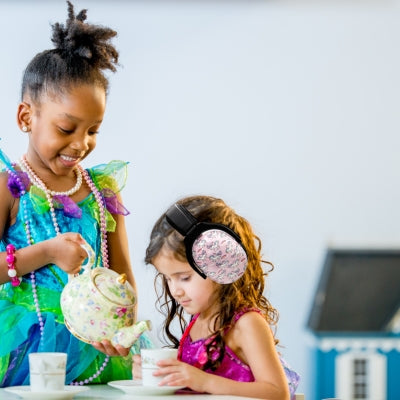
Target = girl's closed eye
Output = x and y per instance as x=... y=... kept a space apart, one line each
x=69 y=131
x=94 y=129
x=66 y=130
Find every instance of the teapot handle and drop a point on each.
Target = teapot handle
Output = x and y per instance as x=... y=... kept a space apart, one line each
x=90 y=259
x=91 y=255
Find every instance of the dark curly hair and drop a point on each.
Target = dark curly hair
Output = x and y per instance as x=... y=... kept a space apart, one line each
x=82 y=51
x=245 y=293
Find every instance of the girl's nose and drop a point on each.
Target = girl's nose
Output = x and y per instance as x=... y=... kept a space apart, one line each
x=81 y=144
x=176 y=290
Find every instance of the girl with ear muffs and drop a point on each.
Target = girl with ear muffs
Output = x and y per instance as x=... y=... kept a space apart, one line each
x=209 y=262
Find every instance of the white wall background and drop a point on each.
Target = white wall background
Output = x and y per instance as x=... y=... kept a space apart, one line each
x=286 y=109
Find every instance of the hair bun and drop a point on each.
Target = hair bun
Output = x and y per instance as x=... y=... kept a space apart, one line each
x=79 y=39
x=84 y=52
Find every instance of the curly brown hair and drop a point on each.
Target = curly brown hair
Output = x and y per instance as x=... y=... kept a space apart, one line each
x=82 y=51
x=245 y=293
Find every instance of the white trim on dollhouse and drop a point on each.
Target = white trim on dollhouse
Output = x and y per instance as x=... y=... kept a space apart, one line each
x=358 y=344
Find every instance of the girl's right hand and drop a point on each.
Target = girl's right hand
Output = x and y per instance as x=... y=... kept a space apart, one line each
x=179 y=373
x=67 y=253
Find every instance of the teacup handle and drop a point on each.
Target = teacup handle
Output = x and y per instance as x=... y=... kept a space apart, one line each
x=90 y=259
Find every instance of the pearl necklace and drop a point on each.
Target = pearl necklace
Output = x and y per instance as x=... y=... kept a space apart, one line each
x=73 y=190
x=35 y=180
x=38 y=182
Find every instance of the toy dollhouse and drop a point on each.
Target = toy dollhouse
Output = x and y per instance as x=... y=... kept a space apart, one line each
x=355 y=325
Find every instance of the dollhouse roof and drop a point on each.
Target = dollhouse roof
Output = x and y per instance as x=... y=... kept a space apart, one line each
x=358 y=291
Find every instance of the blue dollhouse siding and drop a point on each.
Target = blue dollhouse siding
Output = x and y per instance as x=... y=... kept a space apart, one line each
x=355 y=323
x=393 y=386
x=324 y=364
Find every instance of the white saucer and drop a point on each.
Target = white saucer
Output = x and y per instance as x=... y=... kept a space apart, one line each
x=25 y=392
x=136 y=387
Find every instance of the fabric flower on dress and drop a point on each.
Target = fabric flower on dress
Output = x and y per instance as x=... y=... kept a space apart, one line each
x=17 y=182
x=112 y=204
x=70 y=208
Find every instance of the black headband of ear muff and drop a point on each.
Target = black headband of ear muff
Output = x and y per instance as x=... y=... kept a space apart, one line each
x=181 y=219
x=188 y=226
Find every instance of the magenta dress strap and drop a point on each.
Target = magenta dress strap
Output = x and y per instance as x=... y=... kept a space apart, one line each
x=244 y=311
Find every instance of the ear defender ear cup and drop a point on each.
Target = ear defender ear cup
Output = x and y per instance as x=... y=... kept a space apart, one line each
x=212 y=250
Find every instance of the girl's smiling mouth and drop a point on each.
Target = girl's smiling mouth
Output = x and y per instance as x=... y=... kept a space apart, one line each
x=69 y=158
x=69 y=161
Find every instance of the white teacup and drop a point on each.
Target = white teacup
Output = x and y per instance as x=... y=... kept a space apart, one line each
x=150 y=357
x=47 y=371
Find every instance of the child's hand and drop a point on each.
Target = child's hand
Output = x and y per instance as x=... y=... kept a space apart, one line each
x=179 y=373
x=66 y=252
x=137 y=367
x=106 y=347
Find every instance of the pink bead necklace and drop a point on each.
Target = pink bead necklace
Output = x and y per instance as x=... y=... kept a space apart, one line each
x=35 y=180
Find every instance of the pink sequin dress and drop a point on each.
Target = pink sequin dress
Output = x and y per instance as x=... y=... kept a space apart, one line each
x=231 y=367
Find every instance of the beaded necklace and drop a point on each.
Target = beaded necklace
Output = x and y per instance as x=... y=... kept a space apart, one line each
x=35 y=180
x=73 y=190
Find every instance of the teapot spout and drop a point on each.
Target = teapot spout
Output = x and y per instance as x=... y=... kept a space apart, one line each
x=128 y=335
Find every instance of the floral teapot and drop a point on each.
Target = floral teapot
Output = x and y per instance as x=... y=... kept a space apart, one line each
x=100 y=304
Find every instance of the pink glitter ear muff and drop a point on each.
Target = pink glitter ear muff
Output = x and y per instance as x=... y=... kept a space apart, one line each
x=212 y=250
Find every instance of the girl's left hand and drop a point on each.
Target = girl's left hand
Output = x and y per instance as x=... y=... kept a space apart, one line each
x=106 y=347
x=179 y=373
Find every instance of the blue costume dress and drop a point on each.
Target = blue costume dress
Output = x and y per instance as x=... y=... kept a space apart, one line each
x=20 y=328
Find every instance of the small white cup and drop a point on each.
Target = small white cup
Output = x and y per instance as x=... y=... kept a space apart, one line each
x=47 y=371
x=150 y=357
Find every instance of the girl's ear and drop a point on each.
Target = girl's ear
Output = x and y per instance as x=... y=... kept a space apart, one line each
x=24 y=115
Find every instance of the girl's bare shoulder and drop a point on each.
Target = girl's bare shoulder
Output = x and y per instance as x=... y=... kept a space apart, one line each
x=6 y=198
x=4 y=184
x=249 y=321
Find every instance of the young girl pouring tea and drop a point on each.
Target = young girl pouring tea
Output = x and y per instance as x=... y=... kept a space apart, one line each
x=50 y=205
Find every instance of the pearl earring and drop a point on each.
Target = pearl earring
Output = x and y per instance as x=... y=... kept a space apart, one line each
x=25 y=128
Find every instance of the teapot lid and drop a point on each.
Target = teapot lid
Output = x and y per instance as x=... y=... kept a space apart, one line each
x=113 y=286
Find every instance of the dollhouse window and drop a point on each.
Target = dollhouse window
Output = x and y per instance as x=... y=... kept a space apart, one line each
x=360 y=378
x=360 y=375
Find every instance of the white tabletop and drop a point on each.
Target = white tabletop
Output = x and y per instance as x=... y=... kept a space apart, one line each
x=100 y=392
